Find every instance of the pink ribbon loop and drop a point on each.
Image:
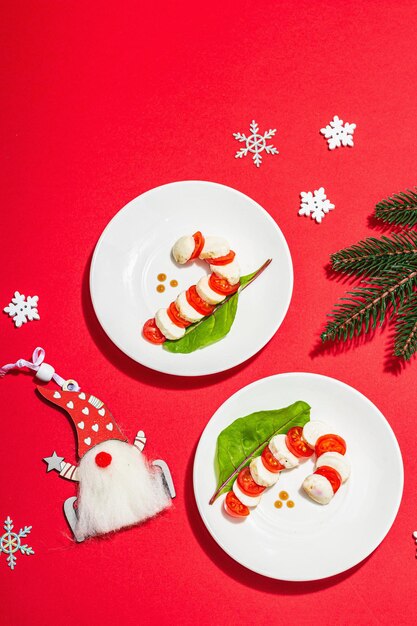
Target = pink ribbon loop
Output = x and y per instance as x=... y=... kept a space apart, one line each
x=38 y=358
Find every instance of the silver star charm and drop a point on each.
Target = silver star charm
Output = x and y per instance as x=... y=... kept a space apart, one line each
x=54 y=462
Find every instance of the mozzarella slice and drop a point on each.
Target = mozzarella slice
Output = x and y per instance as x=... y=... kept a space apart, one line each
x=183 y=249
x=230 y=271
x=244 y=498
x=280 y=451
x=337 y=461
x=313 y=430
x=206 y=292
x=318 y=488
x=187 y=311
x=214 y=247
x=167 y=327
x=261 y=475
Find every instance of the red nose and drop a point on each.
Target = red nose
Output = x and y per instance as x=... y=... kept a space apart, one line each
x=103 y=459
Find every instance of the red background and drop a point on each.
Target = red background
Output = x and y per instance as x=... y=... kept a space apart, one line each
x=105 y=100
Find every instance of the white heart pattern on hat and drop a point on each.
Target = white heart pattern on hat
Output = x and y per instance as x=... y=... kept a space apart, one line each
x=101 y=412
x=70 y=404
x=81 y=425
x=82 y=396
x=87 y=441
x=85 y=410
x=95 y=427
x=109 y=426
x=57 y=394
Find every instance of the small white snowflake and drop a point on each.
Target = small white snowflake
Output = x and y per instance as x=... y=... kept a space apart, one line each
x=316 y=205
x=338 y=134
x=22 y=310
x=415 y=539
x=255 y=143
x=10 y=542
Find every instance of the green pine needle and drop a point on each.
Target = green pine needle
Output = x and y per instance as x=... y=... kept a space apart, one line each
x=371 y=256
x=390 y=263
x=406 y=329
x=369 y=305
x=400 y=208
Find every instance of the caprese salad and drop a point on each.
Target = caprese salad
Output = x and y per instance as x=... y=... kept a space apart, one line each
x=285 y=452
x=199 y=300
x=332 y=466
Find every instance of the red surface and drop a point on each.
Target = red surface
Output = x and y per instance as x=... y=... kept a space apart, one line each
x=102 y=101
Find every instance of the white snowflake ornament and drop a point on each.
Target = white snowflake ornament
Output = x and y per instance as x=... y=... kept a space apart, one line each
x=255 y=143
x=338 y=134
x=315 y=204
x=22 y=309
x=415 y=539
x=10 y=542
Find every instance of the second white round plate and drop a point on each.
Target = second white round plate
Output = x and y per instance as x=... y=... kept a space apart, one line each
x=309 y=541
x=136 y=246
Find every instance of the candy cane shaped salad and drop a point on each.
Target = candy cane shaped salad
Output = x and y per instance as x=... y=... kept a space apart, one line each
x=205 y=298
x=332 y=466
x=249 y=460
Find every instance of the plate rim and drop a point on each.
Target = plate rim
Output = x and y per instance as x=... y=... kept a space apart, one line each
x=394 y=510
x=167 y=370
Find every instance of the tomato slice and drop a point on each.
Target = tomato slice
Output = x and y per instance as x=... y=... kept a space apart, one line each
x=270 y=462
x=222 y=260
x=234 y=507
x=175 y=316
x=152 y=333
x=332 y=476
x=222 y=286
x=200 y=305
x=296 y=444
x=330 y=443
x=198 y=244
x=247 y=484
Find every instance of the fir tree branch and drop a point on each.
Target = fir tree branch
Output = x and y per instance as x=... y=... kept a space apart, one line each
x=390 y=263
x=373 y=256
x=406 y=329
x=368 y=305
x=400 y=208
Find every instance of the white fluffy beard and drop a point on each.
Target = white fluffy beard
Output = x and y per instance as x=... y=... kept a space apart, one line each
x=126 y=492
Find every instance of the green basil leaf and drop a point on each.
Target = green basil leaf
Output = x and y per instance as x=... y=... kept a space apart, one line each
x=208 y=331
x=246 y=438
x=213 y=327
x=245 y=280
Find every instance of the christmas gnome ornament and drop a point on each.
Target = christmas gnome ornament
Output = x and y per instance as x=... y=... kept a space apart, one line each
x=117 y=485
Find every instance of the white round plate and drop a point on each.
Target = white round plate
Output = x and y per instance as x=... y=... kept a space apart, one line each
x=136 y=246
x=310 y=541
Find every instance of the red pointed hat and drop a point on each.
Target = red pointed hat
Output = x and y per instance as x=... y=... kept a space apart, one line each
x=92 y=419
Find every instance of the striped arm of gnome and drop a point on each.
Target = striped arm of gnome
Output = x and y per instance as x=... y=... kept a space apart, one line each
x=69 y=471
x=140 y=440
